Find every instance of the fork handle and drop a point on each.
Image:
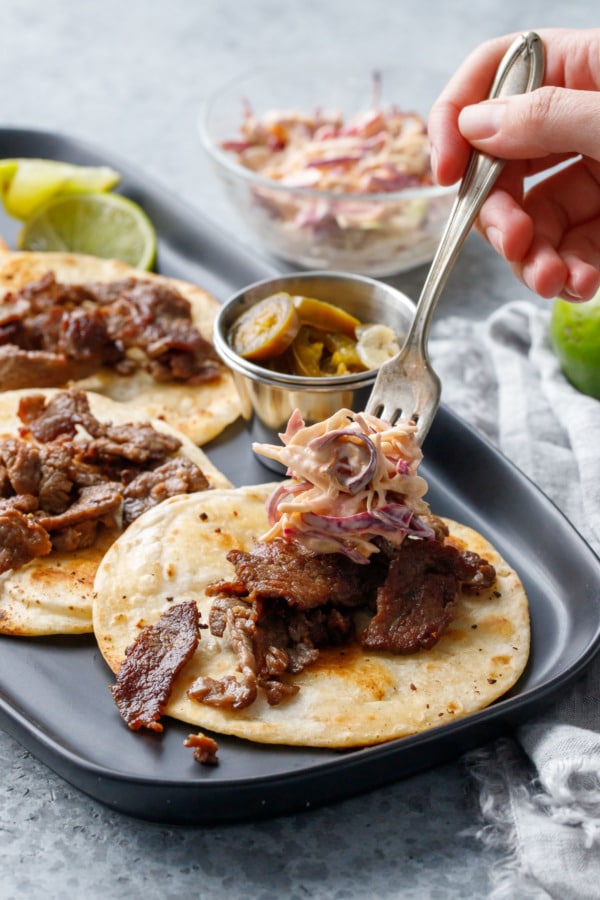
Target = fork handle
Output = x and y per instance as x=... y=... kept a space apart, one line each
x=520 y=70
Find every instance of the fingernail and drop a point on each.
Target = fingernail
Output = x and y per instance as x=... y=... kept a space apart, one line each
x=572 y=296
x=494 y=236
x=482 y=120
x=433 y=161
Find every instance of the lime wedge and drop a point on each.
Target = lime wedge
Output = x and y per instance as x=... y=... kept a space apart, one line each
x=27 y=184
x=8 y=167
x=99 y=224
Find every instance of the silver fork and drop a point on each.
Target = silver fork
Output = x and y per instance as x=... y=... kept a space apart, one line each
x=407 y=386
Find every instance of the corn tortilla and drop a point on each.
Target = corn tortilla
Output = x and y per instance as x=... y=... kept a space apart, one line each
x=200 y=411
x=53 y=594
x=349 y=697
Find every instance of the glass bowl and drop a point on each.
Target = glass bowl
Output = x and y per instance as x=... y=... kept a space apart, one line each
x=324 y=214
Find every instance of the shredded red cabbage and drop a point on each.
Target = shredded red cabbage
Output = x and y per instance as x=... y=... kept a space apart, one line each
x=295 y=423
x=388 y=519
x=280 y=493
x=350 y=475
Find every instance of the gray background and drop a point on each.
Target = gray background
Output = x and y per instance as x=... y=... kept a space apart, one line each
x=130 y=76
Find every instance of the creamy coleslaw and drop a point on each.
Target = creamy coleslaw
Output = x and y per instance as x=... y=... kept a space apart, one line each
x=377 y=150
x=351 y=478
x=352 y=192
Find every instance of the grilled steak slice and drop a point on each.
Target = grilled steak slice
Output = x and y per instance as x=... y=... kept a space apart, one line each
x=140 y=444
x=415 y=604
x=145 y=679
x=58 y=417
x=21 y=539
x=277 y=616
x=23 y=466
x=99 y=501
x=277 y=569
x=21 y=368
x=49 y=420
x=176 y=476
x=58 y=476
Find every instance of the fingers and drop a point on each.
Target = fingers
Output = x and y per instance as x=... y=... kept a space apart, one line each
x=580 y=251
x=565 y=209
x=506 y=225
x=572 y=63
x=566 y=200
x=552 y=272
x=543 y=123
x=552 y=235
x=450 y=151
x=543 y=270
x=570 y=270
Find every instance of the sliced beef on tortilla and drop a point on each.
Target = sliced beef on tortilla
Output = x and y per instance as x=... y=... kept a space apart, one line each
x=288 y=604
x=75 y=470
x=151 y=664
x=347 y=694
x=139 y=338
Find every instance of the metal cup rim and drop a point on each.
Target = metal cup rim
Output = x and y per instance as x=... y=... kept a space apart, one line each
x=281 y=379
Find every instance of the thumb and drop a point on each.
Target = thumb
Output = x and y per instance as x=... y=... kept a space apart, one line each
x=546 y=121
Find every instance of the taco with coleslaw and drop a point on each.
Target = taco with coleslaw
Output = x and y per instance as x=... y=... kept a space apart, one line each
x=136 y=337
x=77 y=469
x=332 y=609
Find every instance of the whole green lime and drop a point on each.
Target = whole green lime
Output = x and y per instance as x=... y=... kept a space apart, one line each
x=575 y=334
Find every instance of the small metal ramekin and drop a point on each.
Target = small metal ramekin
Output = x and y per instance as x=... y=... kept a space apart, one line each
x=269 y=398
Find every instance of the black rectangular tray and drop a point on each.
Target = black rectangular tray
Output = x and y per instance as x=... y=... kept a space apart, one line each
x=54 y=695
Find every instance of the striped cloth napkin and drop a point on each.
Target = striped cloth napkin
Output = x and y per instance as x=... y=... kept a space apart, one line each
x=539 y=793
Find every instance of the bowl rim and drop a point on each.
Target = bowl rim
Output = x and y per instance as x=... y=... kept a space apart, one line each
x=282 y=379
x=226 y=160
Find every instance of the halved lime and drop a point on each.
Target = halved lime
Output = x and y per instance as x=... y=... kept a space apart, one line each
x=99 y=224
x=575 y=334
x=27 y=184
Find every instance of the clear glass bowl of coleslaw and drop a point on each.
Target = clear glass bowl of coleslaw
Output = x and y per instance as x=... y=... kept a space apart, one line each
x=328 y=167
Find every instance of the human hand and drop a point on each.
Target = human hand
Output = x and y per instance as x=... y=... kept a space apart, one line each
x=548 y=230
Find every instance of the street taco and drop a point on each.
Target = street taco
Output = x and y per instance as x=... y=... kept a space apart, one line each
x=334 y=609
x=139 y=338
x=75 y=470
